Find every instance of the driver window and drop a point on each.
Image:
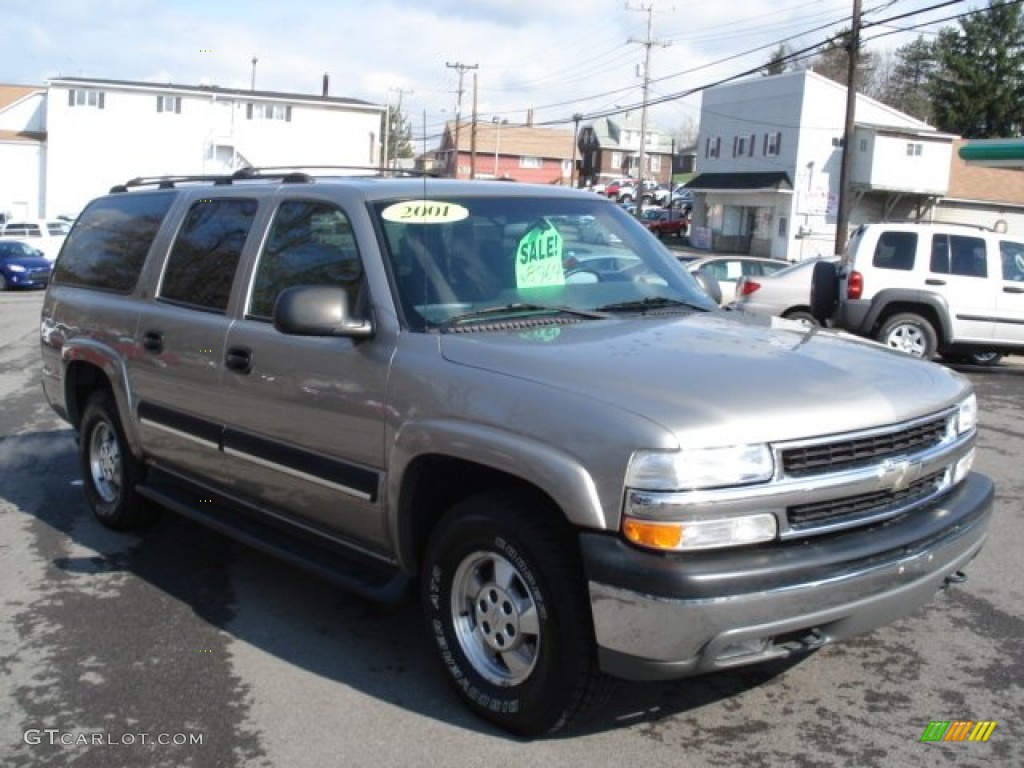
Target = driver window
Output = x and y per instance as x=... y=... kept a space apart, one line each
x=309 y=243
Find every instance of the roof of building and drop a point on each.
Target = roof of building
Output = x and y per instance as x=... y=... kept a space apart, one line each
x=977 y=182
x=12 y=94
x=506 y=139
x=608 y=130
x=208 y=89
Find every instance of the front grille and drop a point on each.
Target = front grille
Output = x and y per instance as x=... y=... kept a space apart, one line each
x=862 y=451
x=863 y=507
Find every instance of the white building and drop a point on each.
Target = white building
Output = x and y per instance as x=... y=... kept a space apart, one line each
x=22 y=151
x=99 y=133
x=770 y=154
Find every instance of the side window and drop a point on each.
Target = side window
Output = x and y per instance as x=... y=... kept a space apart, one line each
x=309 y=243
x=1013 y=260
x=895 y=250
x=205 y=255
x=967 y=256
x=107 y=247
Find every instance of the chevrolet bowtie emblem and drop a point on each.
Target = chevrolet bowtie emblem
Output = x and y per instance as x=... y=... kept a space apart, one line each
x=900 y=474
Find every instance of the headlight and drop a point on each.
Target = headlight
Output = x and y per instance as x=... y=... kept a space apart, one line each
x=15 y=267
x=696 y=468
x=967 y=415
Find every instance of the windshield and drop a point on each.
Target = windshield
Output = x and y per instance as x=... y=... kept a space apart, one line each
x=480 y=259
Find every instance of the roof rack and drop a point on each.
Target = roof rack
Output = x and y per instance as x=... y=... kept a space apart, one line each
x=286 y=174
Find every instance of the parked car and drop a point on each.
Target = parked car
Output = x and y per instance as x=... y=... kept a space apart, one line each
x=47 y=235
x=928 y=289
x=611 y=189
x=729 y=269
x=786 y=293
x=22 y=266
x=665 y=221
x=394 y=383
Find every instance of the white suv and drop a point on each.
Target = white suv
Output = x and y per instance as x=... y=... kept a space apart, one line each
x=928 y=289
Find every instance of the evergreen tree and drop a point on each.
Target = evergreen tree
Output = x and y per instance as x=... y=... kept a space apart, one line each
x=778 y=63
x=398 y=131
x=978 y=90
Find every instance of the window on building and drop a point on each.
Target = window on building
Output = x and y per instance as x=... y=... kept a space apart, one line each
x=655 y=163
x=712 y=146
x=616 y=159
x=168 y=104
x=750 y=145
x=863 y=145
x=266 y=111
x=86 y=97
x=914 y=149
x=772 y=144
x=739 y=146
x=530 y=162
x=566 y=167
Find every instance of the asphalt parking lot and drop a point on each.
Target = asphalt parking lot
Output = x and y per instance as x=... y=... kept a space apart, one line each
x=176 y=647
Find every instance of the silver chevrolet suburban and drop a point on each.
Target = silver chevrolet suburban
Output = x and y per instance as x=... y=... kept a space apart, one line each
x=514 y=399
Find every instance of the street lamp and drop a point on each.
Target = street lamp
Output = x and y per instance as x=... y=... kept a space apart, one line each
x=575 y=140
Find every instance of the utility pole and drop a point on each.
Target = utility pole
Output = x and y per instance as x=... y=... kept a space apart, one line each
x=648 y=43
x=462 y=69
x=843 y=209
x=472 y=135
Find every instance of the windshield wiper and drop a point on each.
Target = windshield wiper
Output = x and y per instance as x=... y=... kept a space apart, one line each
x=520 y=308
x=650 y=302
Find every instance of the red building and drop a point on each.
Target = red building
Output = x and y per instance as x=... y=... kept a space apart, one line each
x=503 y=150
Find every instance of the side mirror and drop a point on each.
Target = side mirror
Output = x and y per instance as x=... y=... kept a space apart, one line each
x=318 y=310
x=824 y=291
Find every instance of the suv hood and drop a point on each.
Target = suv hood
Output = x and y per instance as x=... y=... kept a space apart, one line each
x=714 y=380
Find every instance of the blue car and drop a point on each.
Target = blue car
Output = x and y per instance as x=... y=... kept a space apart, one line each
x=22 y=266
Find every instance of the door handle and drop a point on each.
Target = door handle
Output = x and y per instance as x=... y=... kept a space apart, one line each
x=1012 y=289
x=239 y=359
x=934 y=281
x=153 y=341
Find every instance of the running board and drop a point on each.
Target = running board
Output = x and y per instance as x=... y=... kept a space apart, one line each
x=379 y=582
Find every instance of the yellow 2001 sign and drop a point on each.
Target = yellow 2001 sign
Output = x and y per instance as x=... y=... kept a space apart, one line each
x=424 y=212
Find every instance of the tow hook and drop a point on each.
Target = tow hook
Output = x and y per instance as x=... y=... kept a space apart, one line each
x=957 y=577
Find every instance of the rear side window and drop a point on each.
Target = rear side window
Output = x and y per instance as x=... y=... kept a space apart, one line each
x=107 y=246
x=205 y=255
x=958 y=255
x=895 y=250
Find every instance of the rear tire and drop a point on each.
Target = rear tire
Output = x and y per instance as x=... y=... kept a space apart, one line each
x=802 y=316
x=909 y=333
x=109 y=470
x=506 y=603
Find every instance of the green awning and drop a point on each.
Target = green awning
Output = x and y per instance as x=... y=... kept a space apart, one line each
x=999 y=153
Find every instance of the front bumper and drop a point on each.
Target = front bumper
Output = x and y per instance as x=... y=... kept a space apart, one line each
x=659 y=618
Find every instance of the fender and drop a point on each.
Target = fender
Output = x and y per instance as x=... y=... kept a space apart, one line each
x=883 y=300
x=557 y=474
x=83 y=349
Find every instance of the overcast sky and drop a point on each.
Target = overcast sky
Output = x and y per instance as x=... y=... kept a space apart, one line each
x=556 y=57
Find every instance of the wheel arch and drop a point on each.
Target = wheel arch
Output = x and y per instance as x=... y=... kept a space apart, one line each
x=88 y=370
x=931 y=307
x=423 y=485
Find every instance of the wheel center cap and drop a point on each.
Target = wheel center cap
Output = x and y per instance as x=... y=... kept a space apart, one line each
x=497 y=618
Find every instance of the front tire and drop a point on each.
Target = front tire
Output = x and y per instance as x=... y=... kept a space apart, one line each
x=109 y=470
x=909 y=333
x=506 y=604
